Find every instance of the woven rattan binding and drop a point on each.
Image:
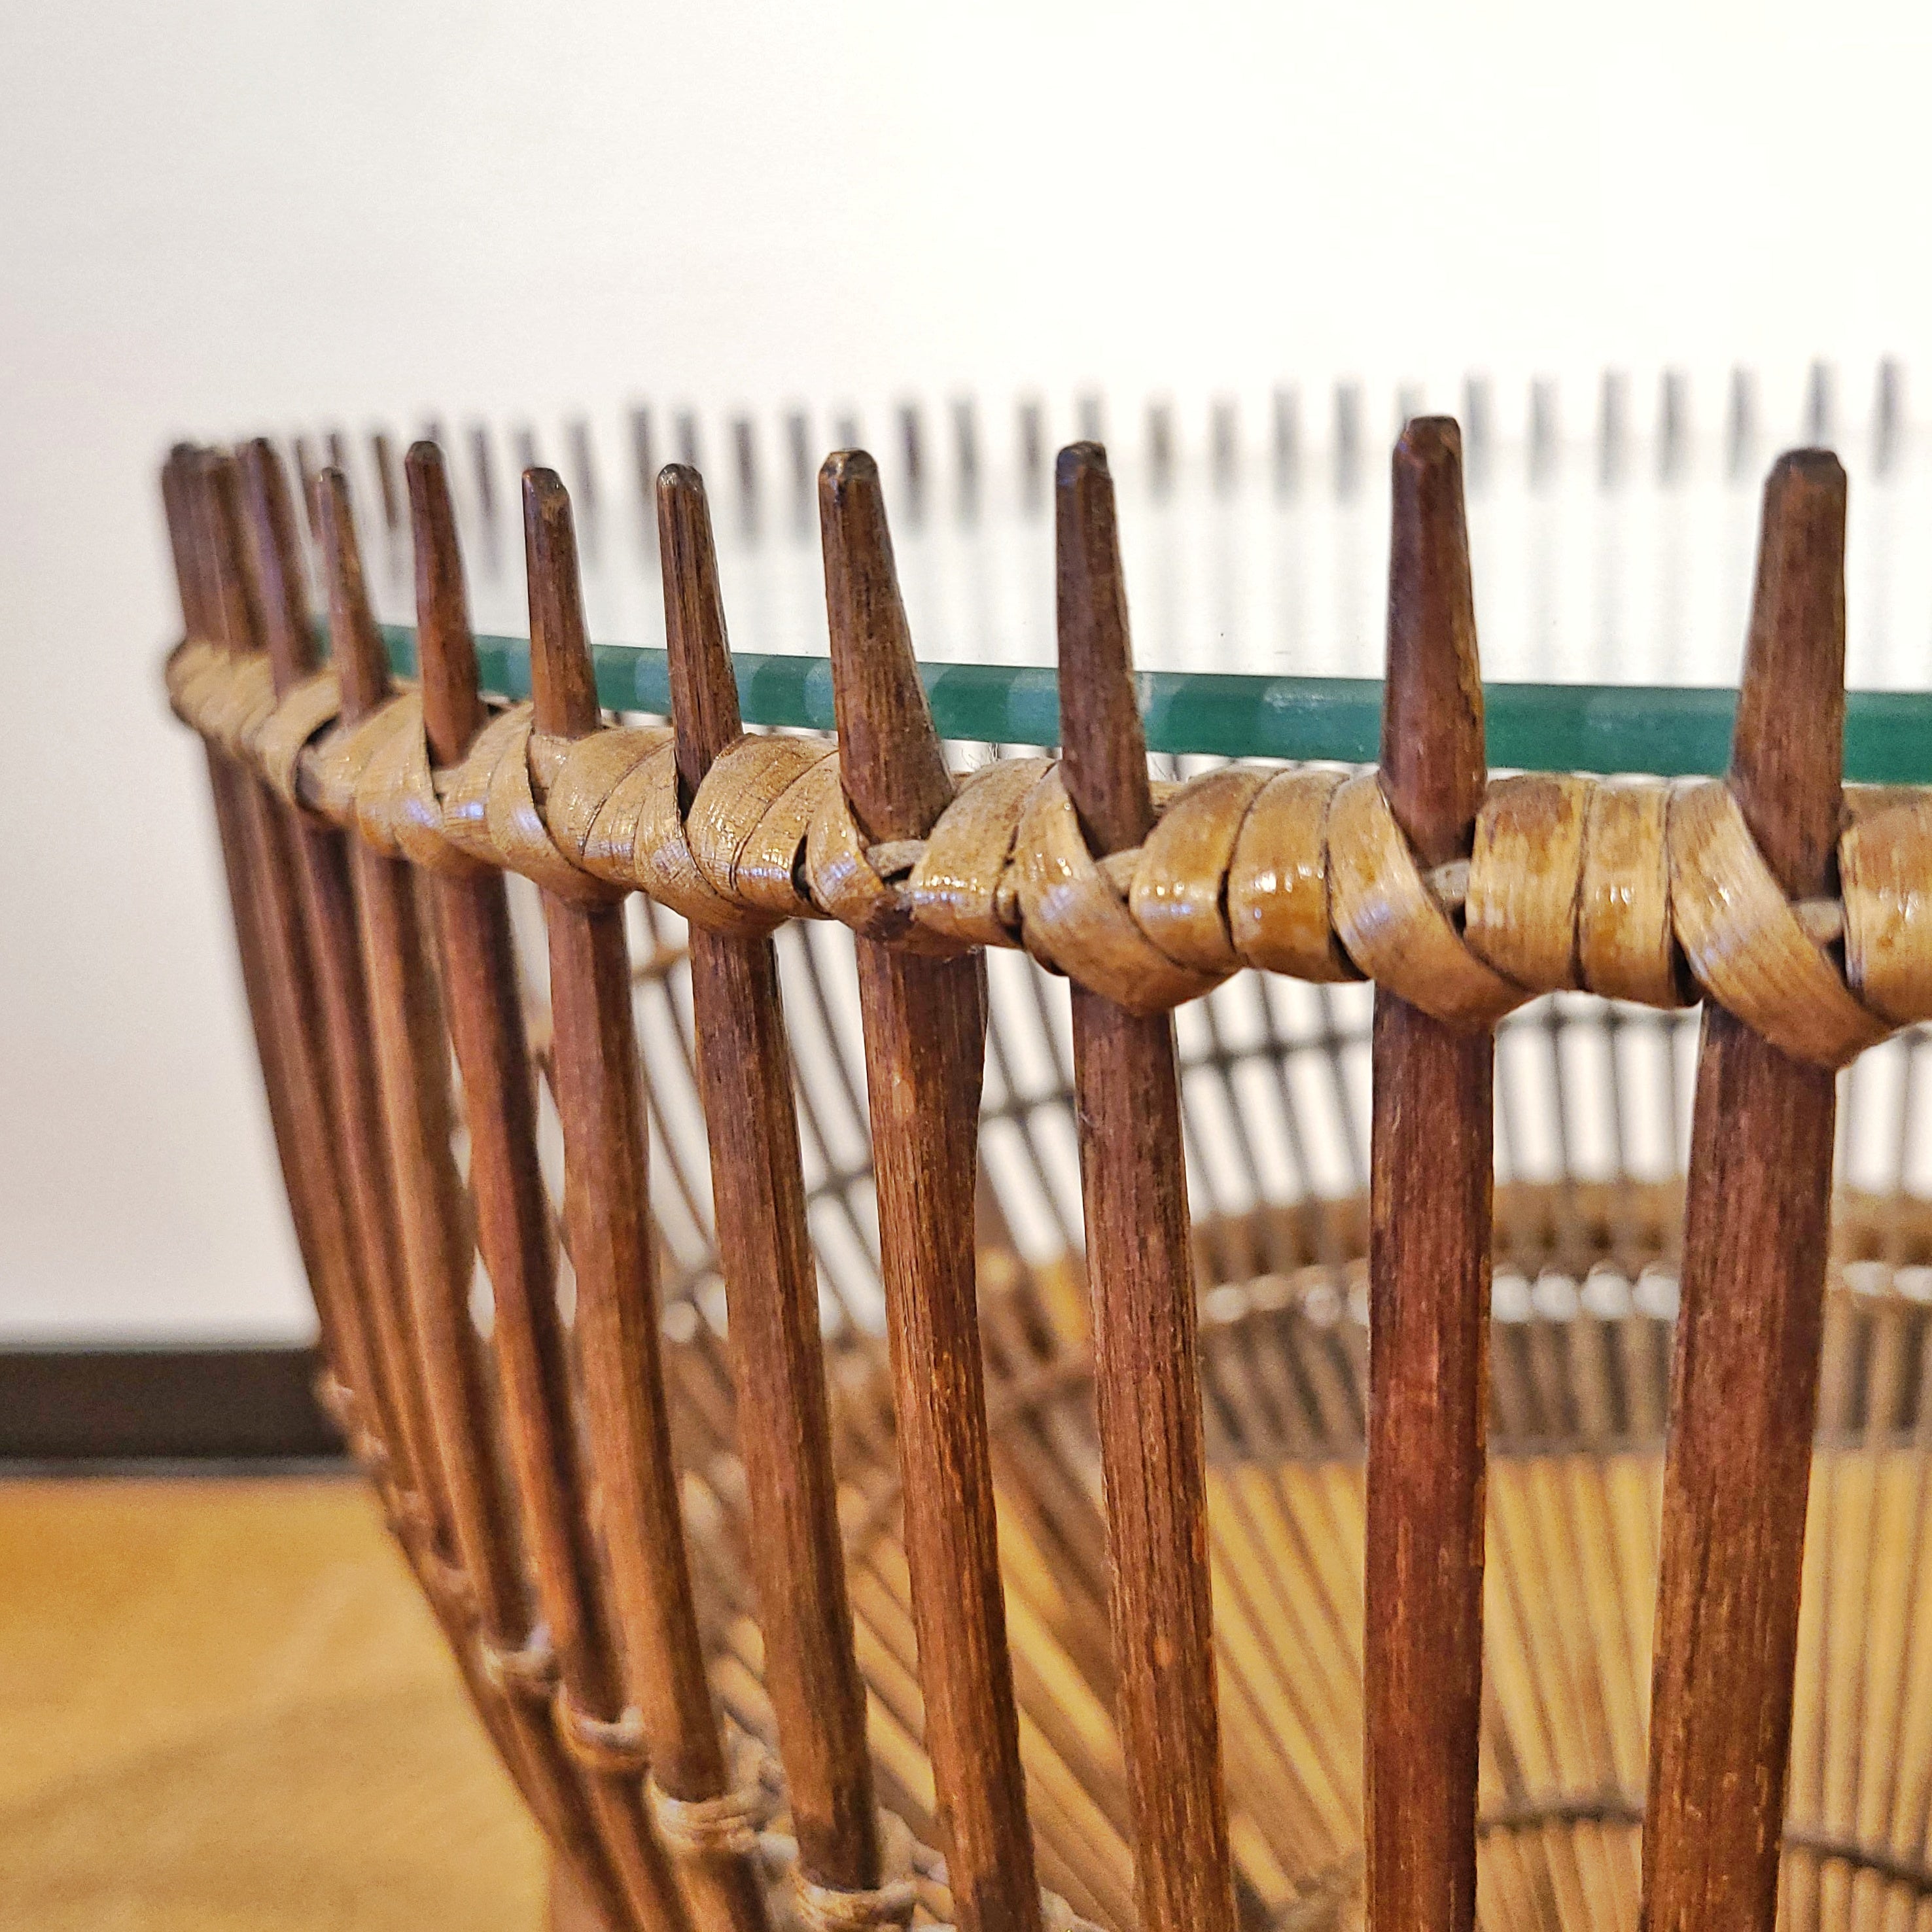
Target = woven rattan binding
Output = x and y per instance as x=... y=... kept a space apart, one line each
x=1613 y=886
x=595 y=1595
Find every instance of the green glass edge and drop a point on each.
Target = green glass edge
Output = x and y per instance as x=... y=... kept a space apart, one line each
x=1673 y=731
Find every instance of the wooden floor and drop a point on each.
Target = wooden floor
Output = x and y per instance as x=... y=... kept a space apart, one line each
x=222 y=1706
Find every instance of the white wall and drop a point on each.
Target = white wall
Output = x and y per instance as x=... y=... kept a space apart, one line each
x=219 y=218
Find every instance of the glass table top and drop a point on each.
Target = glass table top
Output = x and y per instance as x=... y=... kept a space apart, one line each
x=1613 y=578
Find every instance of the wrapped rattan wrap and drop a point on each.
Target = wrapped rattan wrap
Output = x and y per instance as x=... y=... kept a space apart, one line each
x=1612 y=887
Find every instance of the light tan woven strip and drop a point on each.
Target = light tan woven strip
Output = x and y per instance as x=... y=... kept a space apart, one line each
x=1281 y=914
x=607 y=1747
x=528 y=1672
x=1885 y=857
x=1625 y=948
x=284 y=738
x=1611 y=886
x=1395 y=928
x=241 y=698
x=1745 y=943
x=727 y=1826
x=824 y=1908
x=1075 y=917
x=961 y=889
x=1525 y=873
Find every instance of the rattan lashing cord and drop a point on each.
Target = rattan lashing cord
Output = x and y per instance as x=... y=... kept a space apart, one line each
x=1611 y=886
x=736 y=1823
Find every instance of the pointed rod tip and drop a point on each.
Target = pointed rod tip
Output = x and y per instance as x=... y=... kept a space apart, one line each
x=844 y=468
x=544 y=489
x=1430 y=440
x=1819 y=467
x=1077 y=460
x=331 y=491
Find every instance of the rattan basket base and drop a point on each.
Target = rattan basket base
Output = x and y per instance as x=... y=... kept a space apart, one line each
x=1579 y=1372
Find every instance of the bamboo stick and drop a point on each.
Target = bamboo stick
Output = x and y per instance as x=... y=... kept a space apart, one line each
x=281 y=994
x=1757 y=1206
x=607 y=1213
x=305 y=867
x=411 y=1059
x=513 y=1230
x=412 y=1055
x=1140 y=1269
x=924 y=1027
x=1430 y=1187
x=784 y=1436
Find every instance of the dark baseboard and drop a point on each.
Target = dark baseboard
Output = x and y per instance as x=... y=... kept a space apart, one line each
x=94 y=1407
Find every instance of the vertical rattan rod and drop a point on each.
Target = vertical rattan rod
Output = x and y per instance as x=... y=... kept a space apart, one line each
x=1430 y=1190
x=306 y=868
x=771 y=1286
x=421 y=1493
x=304 y=876
x=413 y=1061
x=413 y=1070
x=321 y=862
x=1140 y=1270
x=607 y=1212
x=514 y=1231
x=281 y=1003
x=199 y=624
x=1757 y=1207
x=925 y=1025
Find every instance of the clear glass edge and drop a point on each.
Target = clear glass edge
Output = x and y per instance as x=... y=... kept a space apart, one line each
x=1665 y=731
